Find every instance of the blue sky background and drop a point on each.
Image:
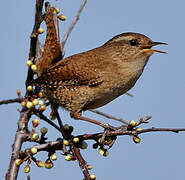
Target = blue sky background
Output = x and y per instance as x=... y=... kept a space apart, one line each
x=159 y=92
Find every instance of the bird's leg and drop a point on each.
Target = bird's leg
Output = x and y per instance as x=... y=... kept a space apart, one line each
x=54 y=108
x=78 y=116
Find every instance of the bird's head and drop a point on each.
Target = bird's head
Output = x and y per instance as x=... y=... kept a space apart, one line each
x=134 y=45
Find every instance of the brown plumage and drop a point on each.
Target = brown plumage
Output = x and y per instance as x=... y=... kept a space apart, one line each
x=94 y=78
x=52 y=48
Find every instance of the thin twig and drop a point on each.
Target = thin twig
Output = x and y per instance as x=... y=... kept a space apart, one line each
x=43 y=117
x=82 y=163
x=134 y=132
x=128 y=94
x=72 y=24
x=121 y=132
x=56 y=145
x=62 y=130
x=144 y=120
x=153 y=129
x=9 y=101
x=109 y=116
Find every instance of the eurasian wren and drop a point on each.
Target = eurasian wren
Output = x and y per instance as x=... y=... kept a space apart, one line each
x=94 y=78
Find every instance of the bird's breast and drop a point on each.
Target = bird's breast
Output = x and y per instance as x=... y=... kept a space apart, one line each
x=116 y=82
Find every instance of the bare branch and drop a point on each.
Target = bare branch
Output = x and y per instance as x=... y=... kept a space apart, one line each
x=153 y=129
x=56 y=145
x=62 y=130
x=34 y=37
x=9 y=101
x=128 y=94
x=121 y=132
x=72 y=25
x=135 y=132
x=22 y=130
x=21 y=135
x=144 y=120
x=43 y=117
x=82 y=163
x=34 y=34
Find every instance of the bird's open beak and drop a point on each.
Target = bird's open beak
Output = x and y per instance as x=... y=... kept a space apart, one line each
x=147 y=48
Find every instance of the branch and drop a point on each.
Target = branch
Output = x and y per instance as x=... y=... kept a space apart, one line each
x=153 y=129
x=56 y=145
x=34 y=37
x=53 y=146
x=21 y=136
x=121 y=132
x=9 y=101
x=34 y=34
x=73 y=24
x=62 y=130
x=43 y=117
x=82 y=163
x=22 y=131
x=128 y=94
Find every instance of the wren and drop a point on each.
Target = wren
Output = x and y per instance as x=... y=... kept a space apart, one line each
x=91 y=79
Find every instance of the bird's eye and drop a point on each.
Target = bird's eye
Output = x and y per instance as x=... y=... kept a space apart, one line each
x=133 y=42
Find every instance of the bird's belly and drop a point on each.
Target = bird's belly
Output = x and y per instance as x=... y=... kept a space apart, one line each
x=107 y=94
x=85 y=97
x=99 y=102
